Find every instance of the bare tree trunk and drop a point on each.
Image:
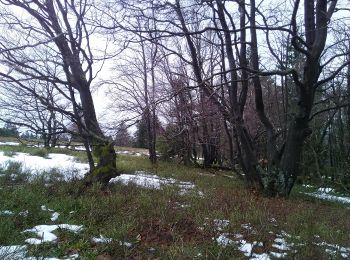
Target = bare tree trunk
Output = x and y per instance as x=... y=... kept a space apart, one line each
x=153 y=153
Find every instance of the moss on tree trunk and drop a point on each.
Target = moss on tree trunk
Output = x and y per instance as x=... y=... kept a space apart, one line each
x=106 y=164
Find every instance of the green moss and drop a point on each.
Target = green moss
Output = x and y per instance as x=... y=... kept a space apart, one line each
x=103 y=170
x=106 y=166
x=102 y=151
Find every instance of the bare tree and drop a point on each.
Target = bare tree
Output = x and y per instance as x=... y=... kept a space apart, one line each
x=20 y=108
x=63 y=26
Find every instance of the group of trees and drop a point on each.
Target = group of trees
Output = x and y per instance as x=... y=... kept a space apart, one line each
x=262 y=87
x=9 y=131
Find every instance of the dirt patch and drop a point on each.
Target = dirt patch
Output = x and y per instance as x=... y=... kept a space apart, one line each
x=157 y=232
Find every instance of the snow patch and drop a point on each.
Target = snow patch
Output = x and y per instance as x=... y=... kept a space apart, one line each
x=108 y=240
x=146 y=180
x=13 y=252
x=19 y=252
x=10 y=143
x=279 y=255
x=307 y=186
x=101 y=239
x=127 y=244
x=54 y=216
x=36 y=165
x=220 y=224
x=281 y=244
x=325 y=190
x=247 y=249
x=132 y=153
x=224 y=241
x=333 y=249
x=325 y=196
x=44 y=232
x=263 y=256
x=6 y=213
x=44 y=208
x=24 y=213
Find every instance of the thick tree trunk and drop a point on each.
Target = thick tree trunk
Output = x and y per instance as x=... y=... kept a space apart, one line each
x=288 y=171
x=102 y=148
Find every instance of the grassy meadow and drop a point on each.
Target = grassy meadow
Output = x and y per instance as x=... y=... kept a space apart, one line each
x=162 y=223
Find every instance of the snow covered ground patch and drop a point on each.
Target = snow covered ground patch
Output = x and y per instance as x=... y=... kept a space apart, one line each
x=108 y=240
x=69 y=168
x=36 y=165
x=149 y=181
x=324 y=193
x=132 y=153
x=223 y=240
x=6 y=213
x=102 y=239
x=9 y=143
x=334 y=249
x=45 y=232
x=19 y=252
x=13 y=252
x=281 y=246
x=54 y=215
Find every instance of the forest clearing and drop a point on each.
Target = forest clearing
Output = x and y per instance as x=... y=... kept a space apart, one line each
x=167 y=212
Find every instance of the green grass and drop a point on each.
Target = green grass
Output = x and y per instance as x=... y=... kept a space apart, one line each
x=154 y=221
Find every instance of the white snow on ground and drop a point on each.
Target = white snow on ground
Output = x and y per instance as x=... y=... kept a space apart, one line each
x=101 y=239
x=44 y=208
x=146 y=180
x=323 y=193
x=19 y=252
x=78 y=148
x=220 y=224
x=281 y=244
x=132 y=153
x=325 y=190
x=65 y=164
x=247 y=248
x=223 y=240
x=9 y=143
x=244 y=246
x=307 y=186
x=127 y=244
x=334 y=249
x=263 y=256
x=6 y=213
x=24 y=213
x=44 y=232
x=54 y=215
x=247 y=226
x=280 y=247
x=13 y=252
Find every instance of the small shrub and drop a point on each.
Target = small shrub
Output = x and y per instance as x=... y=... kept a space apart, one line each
x=9 y=153
x=13 y=174
x=51 y=176
x=41 y=152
